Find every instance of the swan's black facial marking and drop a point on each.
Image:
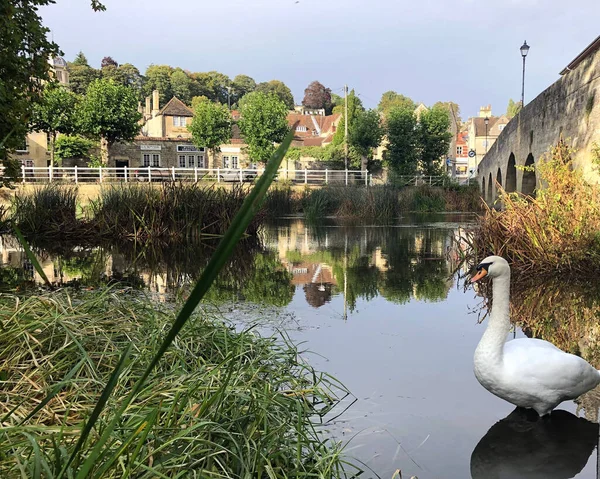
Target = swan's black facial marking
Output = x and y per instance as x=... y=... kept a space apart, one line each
x=485 y=266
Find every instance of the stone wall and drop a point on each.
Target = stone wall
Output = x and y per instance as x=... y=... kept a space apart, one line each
x=570 y=108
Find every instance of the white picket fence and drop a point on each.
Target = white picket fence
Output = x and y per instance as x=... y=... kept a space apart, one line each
x=40 y=175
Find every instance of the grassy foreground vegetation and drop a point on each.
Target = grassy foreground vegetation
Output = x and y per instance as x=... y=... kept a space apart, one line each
x=557 y=232
x=220 y=403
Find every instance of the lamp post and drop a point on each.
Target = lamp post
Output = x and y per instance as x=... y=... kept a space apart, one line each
x=486 y=120
x=524 y=52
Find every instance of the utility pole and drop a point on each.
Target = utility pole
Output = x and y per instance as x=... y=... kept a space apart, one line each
x=346 y=125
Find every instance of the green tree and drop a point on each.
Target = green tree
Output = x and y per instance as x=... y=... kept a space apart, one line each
x=72 y=146
x=452 y=108
x=55 y=113
x=336 y=101
x=434 y=139
x=401 y=156
x=213 y=85
x=181 y=86
x=263 y=122
x=197 y=100
x=365 y=134
x=126 y=75
x=81 y=74
x=317 y=96
x=211 y=125
x=158 y=77
x=355 y=108
x=109 y=112
x=280 y=89
x=513 y=108
x=242 y=85
x=391 y=99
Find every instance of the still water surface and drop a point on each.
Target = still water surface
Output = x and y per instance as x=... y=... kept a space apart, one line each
x=382 y=310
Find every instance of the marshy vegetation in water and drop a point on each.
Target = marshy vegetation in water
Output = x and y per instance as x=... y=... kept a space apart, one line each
x=557 y=232
x=382 y=204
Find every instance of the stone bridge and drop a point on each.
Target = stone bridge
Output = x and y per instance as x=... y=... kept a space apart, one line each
x=570 y=109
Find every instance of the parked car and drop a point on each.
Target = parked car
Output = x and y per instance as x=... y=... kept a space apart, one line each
x=234 y=175
x=155 y=174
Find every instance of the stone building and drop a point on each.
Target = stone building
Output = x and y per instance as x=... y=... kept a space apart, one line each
x=482 y=132
x=166 y=142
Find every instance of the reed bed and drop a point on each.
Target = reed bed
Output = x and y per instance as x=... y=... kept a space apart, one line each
x=219 y=404
x=47 y=211
x=557 y=232
x=174 y=212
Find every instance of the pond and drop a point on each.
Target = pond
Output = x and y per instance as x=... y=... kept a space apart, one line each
x=383 y=310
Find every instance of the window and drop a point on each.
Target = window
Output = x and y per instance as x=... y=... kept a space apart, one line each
x=459 y=150
x=146 y=159
x=225 y=162
x=485 y=143
x=301 y=128
x=501 y=127
x=234 y=161
x=191 y=161
x=201 y=163
x=179 y=121
x=24 y=148
x=155 y=160
x=181 y=161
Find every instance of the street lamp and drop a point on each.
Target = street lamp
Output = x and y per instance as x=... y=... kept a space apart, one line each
x=486 y=120
x=524 y=52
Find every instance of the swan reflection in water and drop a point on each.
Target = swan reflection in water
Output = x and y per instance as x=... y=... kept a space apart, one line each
x=524 y=447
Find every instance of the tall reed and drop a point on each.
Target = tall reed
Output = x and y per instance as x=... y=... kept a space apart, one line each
x=49 y=210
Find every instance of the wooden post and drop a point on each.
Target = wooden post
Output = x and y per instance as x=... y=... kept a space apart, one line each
x=23 y=173
x=305 y=176
x=76 y=179
x=100 y=173
x=326 y=178
x=366 y=178
x=346 y=177
x=51 y=173
x=195 y=174
x=173 y=173
x=125 y=172
x=149 y=174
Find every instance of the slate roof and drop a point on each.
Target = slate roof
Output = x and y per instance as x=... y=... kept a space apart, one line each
x=175 y=107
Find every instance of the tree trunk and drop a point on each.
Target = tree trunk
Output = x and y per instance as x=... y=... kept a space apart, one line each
x=363 y=162
x=104 y=151
x=52 y=143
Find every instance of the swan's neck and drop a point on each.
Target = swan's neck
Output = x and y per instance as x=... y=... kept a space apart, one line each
x=492 y=342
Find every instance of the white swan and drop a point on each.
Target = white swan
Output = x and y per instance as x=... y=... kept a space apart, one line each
x=529 y=373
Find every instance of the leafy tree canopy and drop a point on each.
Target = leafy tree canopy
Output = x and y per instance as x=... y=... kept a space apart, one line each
x=391 y=99
x=317 y=96
x=263 y=123
x=211 y=125
x=513 y=108
x=280 y=89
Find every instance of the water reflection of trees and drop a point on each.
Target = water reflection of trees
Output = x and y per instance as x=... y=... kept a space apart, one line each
x=396 y=263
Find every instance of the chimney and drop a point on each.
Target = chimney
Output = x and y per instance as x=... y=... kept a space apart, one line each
x=155 y=103
x=148 y=110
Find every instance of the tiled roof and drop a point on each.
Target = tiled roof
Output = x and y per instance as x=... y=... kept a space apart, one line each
x=175 y=107
x=314 y=141
x=325 y=124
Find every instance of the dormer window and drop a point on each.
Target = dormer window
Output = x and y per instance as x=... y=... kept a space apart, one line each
x=301 y=128
x=179 y=121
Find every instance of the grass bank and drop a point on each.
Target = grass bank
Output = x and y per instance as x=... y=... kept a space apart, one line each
x=557 y=232
x=376 y=203
x=221 y=403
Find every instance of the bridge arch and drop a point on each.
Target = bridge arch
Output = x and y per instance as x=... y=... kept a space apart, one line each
x=490 y=190
x=499 y=180
x=529 y=178
x=511 y=175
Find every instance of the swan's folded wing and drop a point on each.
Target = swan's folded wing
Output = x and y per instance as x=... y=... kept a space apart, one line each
x=543 y=364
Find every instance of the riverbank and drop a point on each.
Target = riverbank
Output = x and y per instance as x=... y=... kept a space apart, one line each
x=221 y=403
x=555 y=233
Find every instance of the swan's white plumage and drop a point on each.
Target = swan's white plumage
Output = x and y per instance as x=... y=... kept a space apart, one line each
x=529 y=373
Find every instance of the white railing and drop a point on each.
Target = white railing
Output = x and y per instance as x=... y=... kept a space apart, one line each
x=421 y=180
x=31 y=174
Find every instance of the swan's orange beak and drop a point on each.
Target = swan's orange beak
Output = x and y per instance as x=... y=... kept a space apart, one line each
x=480 y=274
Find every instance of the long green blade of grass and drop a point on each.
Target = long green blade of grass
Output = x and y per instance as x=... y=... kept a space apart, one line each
x=238 y=226
x=31 y=256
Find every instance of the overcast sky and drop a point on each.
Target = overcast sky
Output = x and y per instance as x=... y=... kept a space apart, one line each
x=465 y=51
